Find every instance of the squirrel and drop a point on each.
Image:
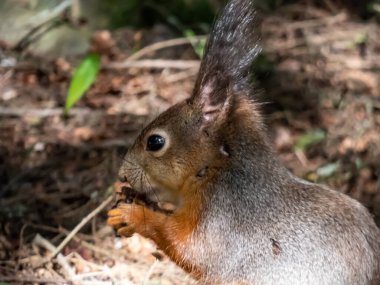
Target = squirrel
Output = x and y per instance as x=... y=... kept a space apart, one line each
x=235 y=214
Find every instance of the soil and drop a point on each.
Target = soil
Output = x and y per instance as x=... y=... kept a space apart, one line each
x=318 y=83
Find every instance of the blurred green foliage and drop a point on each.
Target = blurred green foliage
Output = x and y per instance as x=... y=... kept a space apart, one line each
x=309 y=139
x=198 y=45
x=263 y=67
x=195 y=15
x=328 y=170
x=269 y=5
x=179 y=14
x=373 y=8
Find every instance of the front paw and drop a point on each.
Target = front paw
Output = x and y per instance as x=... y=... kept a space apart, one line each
x=121 y=218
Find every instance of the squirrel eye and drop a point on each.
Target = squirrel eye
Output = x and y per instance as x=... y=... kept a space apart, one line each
x=155 y=143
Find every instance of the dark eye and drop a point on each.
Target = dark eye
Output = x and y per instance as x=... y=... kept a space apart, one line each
x=155 y=143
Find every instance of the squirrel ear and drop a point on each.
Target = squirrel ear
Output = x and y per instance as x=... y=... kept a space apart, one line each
x=214 y=101
x=230 y=50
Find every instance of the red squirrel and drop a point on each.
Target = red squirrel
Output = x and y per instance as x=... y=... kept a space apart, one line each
x=237 y=215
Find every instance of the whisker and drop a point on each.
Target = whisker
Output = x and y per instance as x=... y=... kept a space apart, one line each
x=141 y=179
x=133 y=178
x=129 y=162
x=151 y=188
x=133 y=168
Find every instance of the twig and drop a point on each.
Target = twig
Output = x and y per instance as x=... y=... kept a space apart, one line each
x=154 y=63
x=182 y=75
x=22 y=112
x=330 y=5
x=164 y=44
x=33 y=33
x=301 y=157
x=341 y=17
x=75 y=11
x=76 y=258
x=90 y=274
x=40 y=241
x=107 y=144
x=80 y=225
x=21 y=244
x=306 y=11
x=61 y=7
x=5 y=77
x=88 y=245
x=132 y=62
x=150 y=271
x=32 y=279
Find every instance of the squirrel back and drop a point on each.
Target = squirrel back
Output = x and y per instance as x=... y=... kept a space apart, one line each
x=237 y=214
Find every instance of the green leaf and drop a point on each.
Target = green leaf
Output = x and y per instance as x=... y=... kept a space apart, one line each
x=309 y=139
x=361 y=38
x=4 y=283
x=198 y=45
x=84 y=76
x=359 y=163
x=328 y=170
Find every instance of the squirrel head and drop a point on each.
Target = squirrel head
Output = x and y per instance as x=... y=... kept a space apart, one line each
x=191 y=142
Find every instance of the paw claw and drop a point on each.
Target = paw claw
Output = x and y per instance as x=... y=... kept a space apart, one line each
x=127 y=219
x=119 y=219
x=115 y=221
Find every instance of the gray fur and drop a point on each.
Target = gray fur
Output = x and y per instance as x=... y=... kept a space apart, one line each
x=324 y=237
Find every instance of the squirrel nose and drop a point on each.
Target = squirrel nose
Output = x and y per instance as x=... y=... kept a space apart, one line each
x=123 y=178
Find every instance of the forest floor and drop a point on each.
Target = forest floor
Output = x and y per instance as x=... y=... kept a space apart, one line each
x=319 y=77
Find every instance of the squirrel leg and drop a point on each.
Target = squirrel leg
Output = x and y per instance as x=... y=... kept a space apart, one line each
x=163 y=229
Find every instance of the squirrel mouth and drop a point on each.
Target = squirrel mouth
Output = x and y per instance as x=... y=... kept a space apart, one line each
x=145 y=193
x=137 y=186
x=138 y=180
x=128 y=195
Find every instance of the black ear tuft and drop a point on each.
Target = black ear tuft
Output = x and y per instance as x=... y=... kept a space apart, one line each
x=230 y=50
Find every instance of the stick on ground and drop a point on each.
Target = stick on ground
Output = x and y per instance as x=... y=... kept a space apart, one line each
x=81 y=225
